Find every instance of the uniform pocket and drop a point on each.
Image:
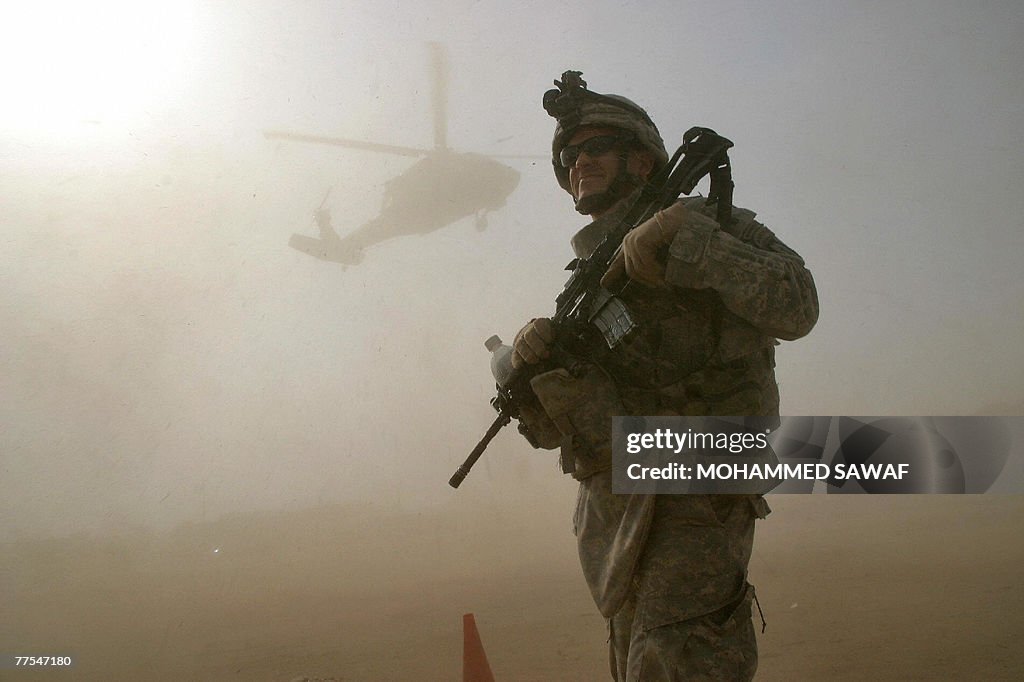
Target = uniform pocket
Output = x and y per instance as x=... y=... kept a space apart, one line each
x=759 y=506
x=687 y=510
x=734 y=614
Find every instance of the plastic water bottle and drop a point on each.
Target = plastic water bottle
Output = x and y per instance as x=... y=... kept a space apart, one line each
x=501 y=359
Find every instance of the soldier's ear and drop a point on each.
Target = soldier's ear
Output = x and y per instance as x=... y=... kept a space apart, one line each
x=641 y=163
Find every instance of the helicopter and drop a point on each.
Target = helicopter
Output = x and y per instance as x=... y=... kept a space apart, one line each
x=441 y=188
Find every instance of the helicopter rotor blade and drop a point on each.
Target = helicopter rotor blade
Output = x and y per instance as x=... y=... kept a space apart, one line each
x=344 y=142
x=536 y=157
x=439 y=81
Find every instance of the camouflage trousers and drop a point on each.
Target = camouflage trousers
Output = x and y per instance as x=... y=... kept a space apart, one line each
x=688 y=615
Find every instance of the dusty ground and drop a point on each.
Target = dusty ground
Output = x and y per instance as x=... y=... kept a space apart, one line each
x=853 y=588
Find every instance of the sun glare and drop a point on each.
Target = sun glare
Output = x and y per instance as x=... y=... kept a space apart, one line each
x=68 y=62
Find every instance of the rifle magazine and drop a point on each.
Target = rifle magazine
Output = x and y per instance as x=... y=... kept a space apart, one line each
x=612 y=318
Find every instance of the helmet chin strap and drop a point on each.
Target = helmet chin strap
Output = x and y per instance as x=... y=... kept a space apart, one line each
x=619 y=188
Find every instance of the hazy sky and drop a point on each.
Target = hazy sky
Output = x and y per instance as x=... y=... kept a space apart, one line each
x=167 y=356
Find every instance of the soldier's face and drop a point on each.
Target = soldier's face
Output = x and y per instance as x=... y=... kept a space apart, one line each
x=592 y=173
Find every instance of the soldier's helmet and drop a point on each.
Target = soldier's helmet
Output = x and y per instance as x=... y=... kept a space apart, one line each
x=573 y=106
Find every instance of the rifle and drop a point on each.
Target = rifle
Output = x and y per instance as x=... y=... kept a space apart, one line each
x=583 y=303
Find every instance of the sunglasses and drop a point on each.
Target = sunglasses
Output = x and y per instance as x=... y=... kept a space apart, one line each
x=593 y=146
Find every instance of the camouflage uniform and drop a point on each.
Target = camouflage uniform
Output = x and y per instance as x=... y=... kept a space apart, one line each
x=669 y=572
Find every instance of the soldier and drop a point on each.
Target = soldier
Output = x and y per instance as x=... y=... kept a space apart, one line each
x=669 y=572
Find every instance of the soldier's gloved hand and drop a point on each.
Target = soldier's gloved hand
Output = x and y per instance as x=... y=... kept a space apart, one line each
x=532 y=341
x=639 y=258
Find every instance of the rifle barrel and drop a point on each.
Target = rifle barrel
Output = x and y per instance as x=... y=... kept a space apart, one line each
x=497 y=425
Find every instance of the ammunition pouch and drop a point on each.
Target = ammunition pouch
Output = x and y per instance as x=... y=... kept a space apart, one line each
x=581 y=401
x=535 y=425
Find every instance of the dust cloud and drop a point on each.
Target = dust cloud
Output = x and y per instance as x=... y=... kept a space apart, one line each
x=851 y=587
x=222 y=457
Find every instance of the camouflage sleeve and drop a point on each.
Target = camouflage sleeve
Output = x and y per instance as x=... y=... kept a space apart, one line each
x=759 y=278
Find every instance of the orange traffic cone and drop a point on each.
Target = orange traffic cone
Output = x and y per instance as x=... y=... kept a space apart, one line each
x=474 y=661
